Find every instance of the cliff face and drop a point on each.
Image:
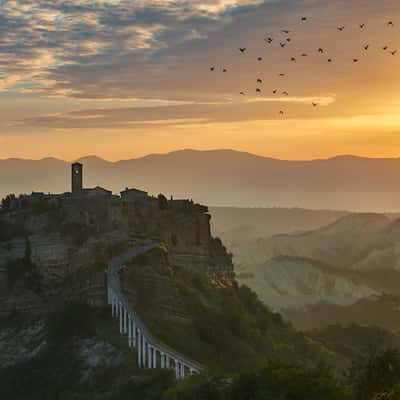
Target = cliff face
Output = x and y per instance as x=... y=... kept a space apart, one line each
x=185 y=229
x=59 y=249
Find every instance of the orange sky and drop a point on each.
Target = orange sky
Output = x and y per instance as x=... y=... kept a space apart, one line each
x=100 y=80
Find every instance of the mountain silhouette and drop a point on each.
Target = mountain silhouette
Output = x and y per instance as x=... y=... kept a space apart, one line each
x=225 y=178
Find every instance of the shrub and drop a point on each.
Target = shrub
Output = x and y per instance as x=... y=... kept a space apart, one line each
x=379 y=373
x=290 y=382
x=77 y=232
x=162 y=202
x=74 y=321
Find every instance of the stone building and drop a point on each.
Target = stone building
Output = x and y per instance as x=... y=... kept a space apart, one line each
x=182 y=225
x=76 y=178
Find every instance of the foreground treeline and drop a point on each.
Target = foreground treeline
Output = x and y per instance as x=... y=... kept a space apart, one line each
x=82 y=356
x=58 y=372
x=376 y=378
x=373 y=378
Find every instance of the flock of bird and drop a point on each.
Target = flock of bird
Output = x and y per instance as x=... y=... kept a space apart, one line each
x=287 y=40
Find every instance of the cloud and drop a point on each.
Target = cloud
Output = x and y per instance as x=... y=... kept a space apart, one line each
x=152 y=51
x=319 y=100
x=48 y=42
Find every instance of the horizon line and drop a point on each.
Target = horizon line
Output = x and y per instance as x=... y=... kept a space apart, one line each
x=94 y=156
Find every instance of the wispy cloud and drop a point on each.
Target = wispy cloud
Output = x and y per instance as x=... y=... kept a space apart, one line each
x=142 y=65
x=318 y=100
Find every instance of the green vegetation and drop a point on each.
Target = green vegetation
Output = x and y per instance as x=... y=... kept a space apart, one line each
x=354 y=341
x=77 y=233
x=24 y=270
x=59 y=372
x=272 y=381
x=378 y=376
x=228 y=329
x=11 y=230
x=162 y=202
x=6 y=202
x=75 y=321
x=56 y=372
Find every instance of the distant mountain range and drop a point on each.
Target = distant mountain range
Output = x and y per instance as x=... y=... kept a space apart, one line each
x=225 y=177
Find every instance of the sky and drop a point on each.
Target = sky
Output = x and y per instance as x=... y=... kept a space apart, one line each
x=125 y=78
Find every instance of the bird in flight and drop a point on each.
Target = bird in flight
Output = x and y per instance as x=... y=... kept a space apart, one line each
x=285 y=40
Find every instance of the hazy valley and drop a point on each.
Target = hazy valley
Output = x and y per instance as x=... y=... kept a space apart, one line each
x=321 y=272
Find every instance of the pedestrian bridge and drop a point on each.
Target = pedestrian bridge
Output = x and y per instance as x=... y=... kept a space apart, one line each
x=150 y=352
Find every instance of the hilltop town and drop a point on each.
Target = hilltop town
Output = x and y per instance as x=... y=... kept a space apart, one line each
x=70 y=232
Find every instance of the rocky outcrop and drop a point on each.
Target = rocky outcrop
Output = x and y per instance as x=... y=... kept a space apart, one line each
x=21 y=343
x=63 y=243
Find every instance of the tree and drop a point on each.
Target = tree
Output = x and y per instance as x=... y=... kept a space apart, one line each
x=377 y=377
x=162 y=202
x=6 y=202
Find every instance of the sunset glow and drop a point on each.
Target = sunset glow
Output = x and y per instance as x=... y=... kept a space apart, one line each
x=125 y=84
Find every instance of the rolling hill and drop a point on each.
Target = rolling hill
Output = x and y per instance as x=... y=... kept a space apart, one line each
x=327 y=275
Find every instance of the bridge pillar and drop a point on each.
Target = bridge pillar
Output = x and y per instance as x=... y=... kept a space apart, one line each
x=144 y=351
x=176 y=369
x=139 y=349
x=125 y=321
x=129 y=331
x=167 y=362
x=120 y=317
x=154 y=357
x=134 y=333
x=149 y=357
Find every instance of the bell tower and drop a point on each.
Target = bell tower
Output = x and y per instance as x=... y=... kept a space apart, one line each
x=76 y=177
